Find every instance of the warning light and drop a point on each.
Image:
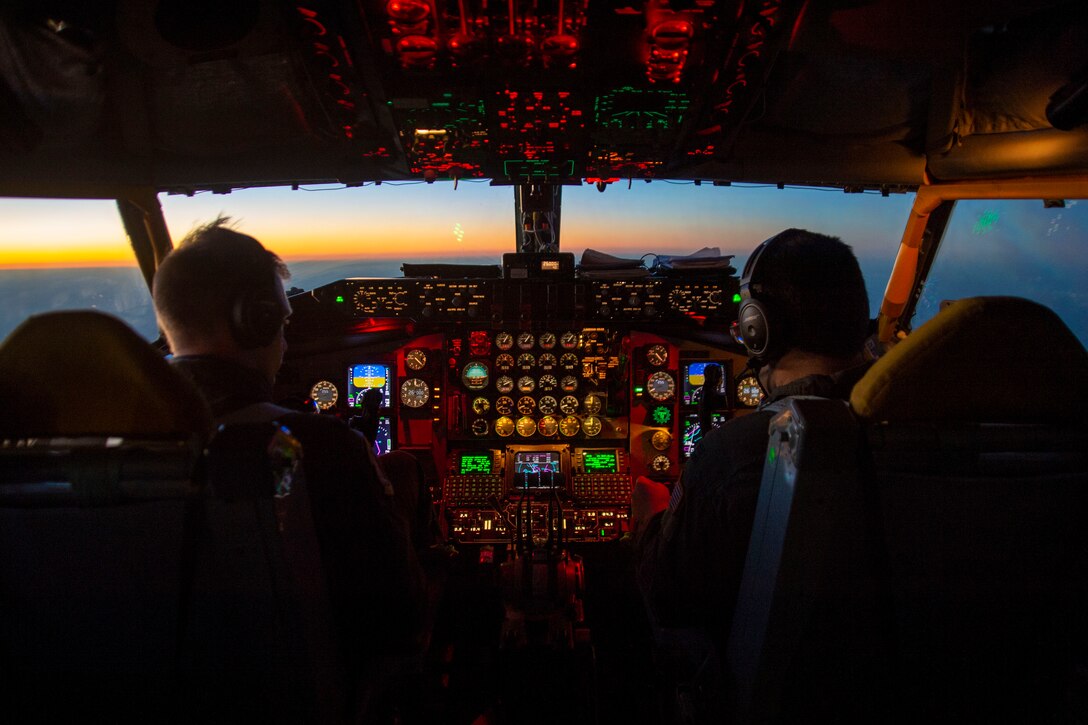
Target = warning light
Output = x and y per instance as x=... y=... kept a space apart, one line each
x=639 y=390
x=339 y=298
x=736 y=297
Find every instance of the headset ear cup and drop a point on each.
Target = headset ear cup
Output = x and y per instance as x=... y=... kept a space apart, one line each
x=256 y=320
x=755 y=328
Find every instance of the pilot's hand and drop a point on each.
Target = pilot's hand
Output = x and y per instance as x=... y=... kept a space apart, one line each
x=647 y=499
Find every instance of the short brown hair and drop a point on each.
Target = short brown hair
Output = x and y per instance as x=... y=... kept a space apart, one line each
x=198 y=284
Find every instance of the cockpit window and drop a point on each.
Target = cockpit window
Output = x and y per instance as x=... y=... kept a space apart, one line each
x=69 y=254
x=1023 y=248
x=328 y=233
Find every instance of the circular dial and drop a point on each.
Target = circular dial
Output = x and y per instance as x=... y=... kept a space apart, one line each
x=479 y=427
x=592 y=404
x=591 y=426
x=414 y=393
x=415 y=359
x=547 y=405
x=504 y=341
x=657 y=355
x=526 y=360
x=569 y=361
x=504 y=362
x=504 y=426
x=504 y=384
x=548 y=426
x=661 y=415
x=547 y=340
x=474 y=376
x=504 y=405
x=526 y=341
x=324 y=394
x=526 y=426
x=661 y=440
x=526 y=384
x=547 y=361
x=547 y=383
x=568 y=404
x=526 y=405
x=660 y=386
x=569 y=426
x=569 y=383
x=480 y=405
x=660 y=464
x=748 y=391
x=569 y=340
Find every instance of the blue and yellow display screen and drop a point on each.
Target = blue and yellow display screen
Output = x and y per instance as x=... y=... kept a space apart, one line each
x=600 y=461
x=475 y=463
x=693 y=377
x=367 y=376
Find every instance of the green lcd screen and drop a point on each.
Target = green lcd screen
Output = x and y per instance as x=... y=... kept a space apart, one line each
x=599 y=461
x=475 y=463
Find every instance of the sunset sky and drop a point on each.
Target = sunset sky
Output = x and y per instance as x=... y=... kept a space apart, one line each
x=418 y=221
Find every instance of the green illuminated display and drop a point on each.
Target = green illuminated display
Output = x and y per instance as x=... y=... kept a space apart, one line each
x=599 y=461
x=736 y=297
x=661 y=415
x=475 y=463
x=339 y=298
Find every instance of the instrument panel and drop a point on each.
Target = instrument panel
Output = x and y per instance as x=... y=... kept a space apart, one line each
x=527 y=428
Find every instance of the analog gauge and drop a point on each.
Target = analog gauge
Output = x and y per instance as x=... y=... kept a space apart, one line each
x=526 y=341
x=547 y=340
x=569 y=361
x=474 y=376
x=661 y=415
x=415 y=359
x=547 y=383
x=504 y=384
x=592 y=404
x=479 y=427
x=547 y=405
x=661 y=440
x=526 y=360
x=504 y=362
x=660 y=386
x=657 y=355
x=526 y=384
x=324 y=394
x=568 y=405
x=504 y=426
x=504 y=341
x=547 y=426
x=569 y=383
x=526 y=405
x=569 y=340
x=547 y=361
x=504 y=405
x=526 y=426
x=660 y=464
x=748 y=392
x=591 y=426
x=414 y=393
x=570 y=426
x=480 y=405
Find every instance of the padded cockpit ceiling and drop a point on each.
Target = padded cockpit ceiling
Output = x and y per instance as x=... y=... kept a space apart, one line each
x=197 y=94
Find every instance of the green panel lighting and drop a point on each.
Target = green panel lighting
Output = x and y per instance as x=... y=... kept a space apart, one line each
x=736 y=297
x=661 y=415
x=339 y=298
x=772 y=454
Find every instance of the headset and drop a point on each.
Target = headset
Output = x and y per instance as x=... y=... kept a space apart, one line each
x=758 y=327
x=256 y=317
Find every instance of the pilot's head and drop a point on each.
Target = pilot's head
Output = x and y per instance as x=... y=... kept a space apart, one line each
x=803 y=297
x=220 y=293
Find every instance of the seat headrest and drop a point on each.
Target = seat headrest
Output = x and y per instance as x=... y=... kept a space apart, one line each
x=982 y=359
x=85 y=373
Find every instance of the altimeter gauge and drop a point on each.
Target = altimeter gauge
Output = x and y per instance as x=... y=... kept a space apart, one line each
x=657 y=355
x=749 y=393
x=661 y=386
x=324 y=394
x=414 y=393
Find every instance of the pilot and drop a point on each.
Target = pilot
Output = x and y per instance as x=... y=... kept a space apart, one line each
x=803 y=317
x=220 y=302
